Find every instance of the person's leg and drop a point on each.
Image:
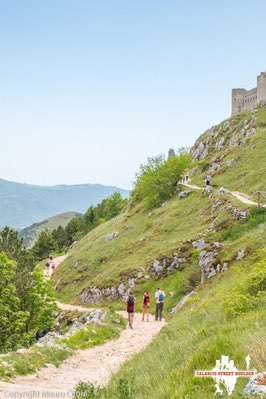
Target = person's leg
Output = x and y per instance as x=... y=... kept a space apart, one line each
x=147 y=313
x=157 y=311
x=143 y=313
x=131 y=317
x=161 y=311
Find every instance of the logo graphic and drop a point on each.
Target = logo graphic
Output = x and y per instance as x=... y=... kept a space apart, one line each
x=225 y=374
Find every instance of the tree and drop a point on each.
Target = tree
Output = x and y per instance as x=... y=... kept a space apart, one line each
x=40 y=303
x=60 y=237
x=10 y=243
x=113 y=205
x=72 y=229
x=156 y=182
x=44 y=245
x=12 y=319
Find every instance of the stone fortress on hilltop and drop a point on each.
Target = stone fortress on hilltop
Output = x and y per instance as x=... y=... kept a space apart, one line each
x=247 y=100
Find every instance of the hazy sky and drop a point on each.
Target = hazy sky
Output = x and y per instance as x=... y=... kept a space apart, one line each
x=89 y=89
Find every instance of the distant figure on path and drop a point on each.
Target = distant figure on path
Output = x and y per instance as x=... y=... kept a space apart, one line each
x=146 y=305
x=130 y=302
x=159 y=299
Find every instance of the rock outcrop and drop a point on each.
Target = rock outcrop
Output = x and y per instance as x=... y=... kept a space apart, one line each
x=227 y=135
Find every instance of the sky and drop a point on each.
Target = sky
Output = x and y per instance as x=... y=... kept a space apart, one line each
x=90 y=89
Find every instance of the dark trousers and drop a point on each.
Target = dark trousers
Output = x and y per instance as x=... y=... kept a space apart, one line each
x=159 y=311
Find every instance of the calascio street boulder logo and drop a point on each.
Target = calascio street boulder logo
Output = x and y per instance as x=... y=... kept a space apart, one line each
x=225 y=374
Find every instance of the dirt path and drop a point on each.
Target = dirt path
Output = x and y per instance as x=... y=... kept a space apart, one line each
x=240 y=196
x=95 y=365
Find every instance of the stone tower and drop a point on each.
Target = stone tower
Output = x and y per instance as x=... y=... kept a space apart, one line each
x=261 y=88
x=247 y=100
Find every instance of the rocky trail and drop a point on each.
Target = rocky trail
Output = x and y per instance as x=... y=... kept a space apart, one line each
x=240 y=196
x=95 y=365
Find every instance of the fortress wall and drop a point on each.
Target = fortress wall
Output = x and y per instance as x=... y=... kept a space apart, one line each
x=247 y=100
x=261 y=84
x=237 y=100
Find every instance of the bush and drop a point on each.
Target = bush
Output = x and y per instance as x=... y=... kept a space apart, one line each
x=85 y=390
x=238 y=304
x=157 y=180
x=12 y=319
x=250 y=293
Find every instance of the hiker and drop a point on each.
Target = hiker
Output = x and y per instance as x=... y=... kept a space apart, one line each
x=130 y=302
x=159 y=299
x=146 y=305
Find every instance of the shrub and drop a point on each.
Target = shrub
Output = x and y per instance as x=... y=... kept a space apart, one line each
x=249 y=294
x=85 y=390
x=238 y=304
x=157 y=180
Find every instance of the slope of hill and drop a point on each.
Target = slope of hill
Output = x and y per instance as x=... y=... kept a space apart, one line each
x=23 y=204
x=30 y=234
x=144 y=239
x=216 y=237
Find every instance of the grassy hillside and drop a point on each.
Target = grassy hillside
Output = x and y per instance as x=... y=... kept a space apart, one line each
x=143 y=237
x=146 y=236
x=30 y=234
x=221 y=319
x=227 y=314
x=239 y=167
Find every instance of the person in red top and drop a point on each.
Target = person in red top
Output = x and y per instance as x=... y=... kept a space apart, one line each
x=146 y=305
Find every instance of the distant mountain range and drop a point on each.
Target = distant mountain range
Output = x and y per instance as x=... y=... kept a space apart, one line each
x=31 y=233
x=22 y=205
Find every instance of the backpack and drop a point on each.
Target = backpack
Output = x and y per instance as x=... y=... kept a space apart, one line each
x=161 y=297
x=146 y=299
x=130 y=300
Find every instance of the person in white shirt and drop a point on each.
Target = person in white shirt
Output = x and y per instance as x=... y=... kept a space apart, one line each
x=159 y=300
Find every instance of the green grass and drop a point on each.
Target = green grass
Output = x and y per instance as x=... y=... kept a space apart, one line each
x=256 y=218
x=145 y=236
x=93 y=335
x=248 y=175
x=33 y=359
x=142 y=238
x=194 y=339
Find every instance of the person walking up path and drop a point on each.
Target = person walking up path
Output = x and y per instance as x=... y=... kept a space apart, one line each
x=130 y=302
x=146 y=305
x=159 y=299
